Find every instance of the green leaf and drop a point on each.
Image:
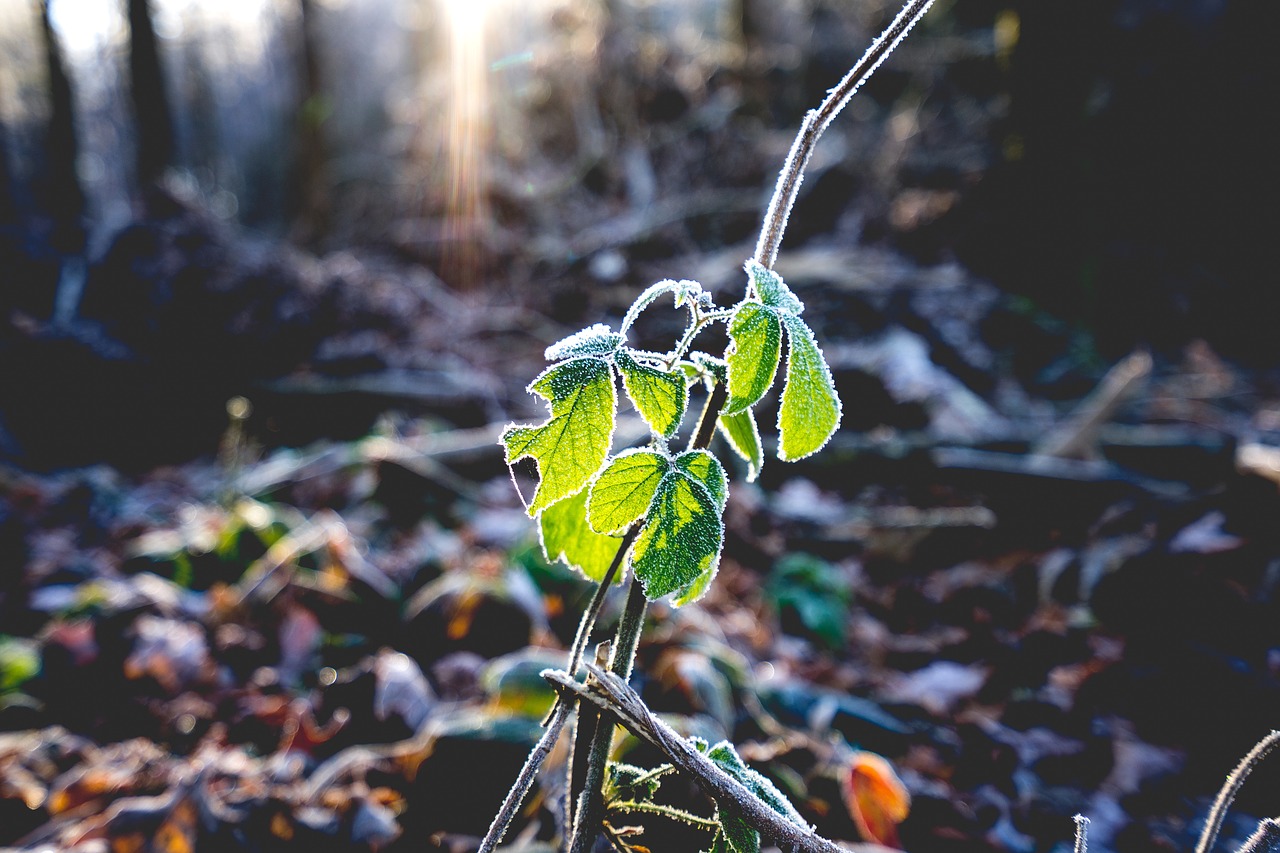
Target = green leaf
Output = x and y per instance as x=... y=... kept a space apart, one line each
x=623 y=492
x=679 y=548
x=597 y=341
x=708 y=471
x=696 y=589
x=568 y=538
x=628 y=782
x=727 y=759
x=741 y=836
x=659 y=397
x=572 y=445
x=816 y=592
x=810 y=410
x=772 y=290
x=755 y=335
x=744 y=437
x=719 y=844
x=514 y=684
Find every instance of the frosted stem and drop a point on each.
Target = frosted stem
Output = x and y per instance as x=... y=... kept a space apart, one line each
x=1213 y=824
x=559 y=713
x=615 y=699
x=1082 y=833
x=1265 y=840
x=816 y=121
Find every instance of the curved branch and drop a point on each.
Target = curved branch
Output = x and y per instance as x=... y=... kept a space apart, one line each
x=1231 y=787
x=816 y=121
x=560 y=713
x=613 y=695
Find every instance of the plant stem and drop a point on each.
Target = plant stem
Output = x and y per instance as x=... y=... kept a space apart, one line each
x=1213 y=823
x=700 y=322
x=775 y=224
x=816 y=121
x=607 y=691
x=1082 y=833
x=666 y=811
x=1265 y=839
x=600 y=730
x=590 y=804
x=560 y=711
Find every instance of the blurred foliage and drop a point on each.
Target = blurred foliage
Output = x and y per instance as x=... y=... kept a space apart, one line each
x=19 y=663
x=813 y=596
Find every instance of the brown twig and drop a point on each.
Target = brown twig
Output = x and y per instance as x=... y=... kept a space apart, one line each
x=1077 y=437
x=614 y=697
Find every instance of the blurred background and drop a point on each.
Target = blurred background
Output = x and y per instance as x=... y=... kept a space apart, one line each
x=273 y=273
x=170 y=167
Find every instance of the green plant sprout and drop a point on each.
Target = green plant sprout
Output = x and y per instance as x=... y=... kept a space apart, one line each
x=659 y=511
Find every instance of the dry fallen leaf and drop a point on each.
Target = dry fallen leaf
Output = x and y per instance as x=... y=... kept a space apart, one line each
x=876 y=798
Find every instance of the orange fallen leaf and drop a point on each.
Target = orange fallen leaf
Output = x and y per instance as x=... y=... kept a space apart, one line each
x=876 y=798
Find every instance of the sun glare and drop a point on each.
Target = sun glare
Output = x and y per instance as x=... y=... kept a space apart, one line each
x=466 y=146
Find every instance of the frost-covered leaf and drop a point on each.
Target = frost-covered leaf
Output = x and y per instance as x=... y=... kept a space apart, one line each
x=680 y=544
x=659 y=397
x=810 y=410
x=719 y=844
x=741 y=836
x=572 y=445
x=568 y=538
x=708 y=471
x=755 y=334
x=623 y=492
x=727 y=759
x=696 y=589
x=744 y=437
x=773 y=291
x=685 y=291
x=709 y=363
x=631 y=783
x=597 y=341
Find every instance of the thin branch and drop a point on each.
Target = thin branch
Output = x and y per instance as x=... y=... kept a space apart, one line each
x=614 y=697
x=1213 y=824
x=589 y=811
x=1082 y=833
x=600 y=727
x=816 y=121
x=1265 y=840
x=560 y=713
x=1077 y=436
x=634 y=807
x=766 y=253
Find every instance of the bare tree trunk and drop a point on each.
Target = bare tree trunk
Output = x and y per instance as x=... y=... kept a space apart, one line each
x=60 y=193
x=311 y=169
x=152 y=114
x=8 y=189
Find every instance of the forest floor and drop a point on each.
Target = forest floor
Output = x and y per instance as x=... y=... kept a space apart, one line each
x=1038 y=574
x=1054 y=594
